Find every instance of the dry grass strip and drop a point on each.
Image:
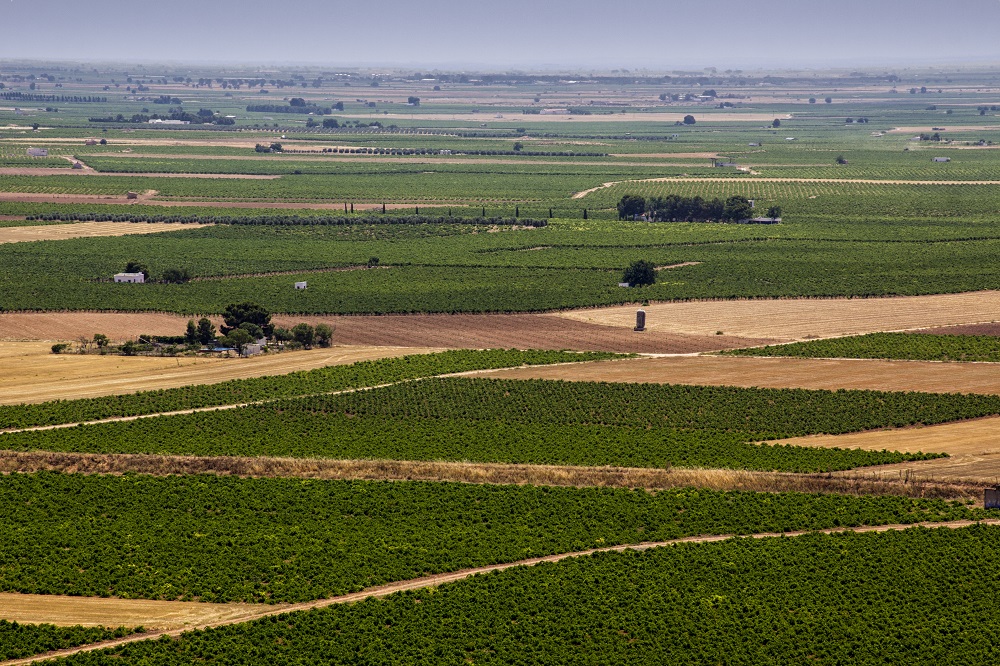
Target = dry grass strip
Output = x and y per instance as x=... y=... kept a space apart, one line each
x=855 y=483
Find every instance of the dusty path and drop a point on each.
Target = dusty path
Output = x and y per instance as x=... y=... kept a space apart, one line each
x=857 y=483
x=33 y=374
x=87 y=230
x=827 y=374
x=802 y=318
x=756 y=179
x=259 y=612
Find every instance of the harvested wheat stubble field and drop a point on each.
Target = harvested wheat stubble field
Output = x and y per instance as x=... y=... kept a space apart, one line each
x=800 y=319
x=826 y=374
x=110 y=612
x=972 y=446
x=87 y=230
x=33 y=374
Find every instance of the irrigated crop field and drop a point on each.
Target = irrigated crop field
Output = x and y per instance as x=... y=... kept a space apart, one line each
x=378 y=397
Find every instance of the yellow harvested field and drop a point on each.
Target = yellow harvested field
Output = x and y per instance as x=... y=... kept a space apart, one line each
x=110 y=612
x=65 y=326
x=972 y=446
x=86 y=230
x=829 y=374
x=33 y=374
x=799 y=319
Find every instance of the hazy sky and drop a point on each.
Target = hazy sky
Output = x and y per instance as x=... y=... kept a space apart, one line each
x=651 y=34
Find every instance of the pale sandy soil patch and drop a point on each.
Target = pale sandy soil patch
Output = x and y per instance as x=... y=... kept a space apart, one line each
x=33 y=374
x=112 y=612
x=827 y=374
x=86 y=230
x=798 y=319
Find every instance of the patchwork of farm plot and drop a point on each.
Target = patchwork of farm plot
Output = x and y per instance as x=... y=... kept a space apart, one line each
x=242 y=496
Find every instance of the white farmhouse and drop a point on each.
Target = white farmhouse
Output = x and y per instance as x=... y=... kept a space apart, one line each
x=38 y=152
x=138 y=278
x=301 y=285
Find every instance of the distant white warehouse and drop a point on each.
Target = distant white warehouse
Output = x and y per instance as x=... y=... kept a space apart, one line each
x=38 y=152
x=130 y=277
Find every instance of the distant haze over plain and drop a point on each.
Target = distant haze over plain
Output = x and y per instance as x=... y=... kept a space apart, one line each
x=447 y=34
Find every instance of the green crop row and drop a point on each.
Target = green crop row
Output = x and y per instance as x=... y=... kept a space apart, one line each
x=901 y=346
x=306 y=382
x=24 y=640
x=278 y=540
x=535 y=422
x=913 y=597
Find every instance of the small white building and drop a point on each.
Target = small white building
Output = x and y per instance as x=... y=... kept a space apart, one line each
x=137 y=278
x=942 y=159
x=301 y=285
x=38 y=152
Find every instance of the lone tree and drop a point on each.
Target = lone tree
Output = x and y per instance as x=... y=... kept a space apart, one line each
x=774 y=212
x=640 y=273
x=324 y=335
x=630 y=206
x=776 y=123
x=238 y=313
x=304 y=334
x=689 y=120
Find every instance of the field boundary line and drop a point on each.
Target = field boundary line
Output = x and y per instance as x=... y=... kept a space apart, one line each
x=436 y=580
x=849 y=482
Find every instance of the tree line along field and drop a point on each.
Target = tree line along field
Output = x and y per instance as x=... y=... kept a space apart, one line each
x=868 y=598
x=479 y=420
x=456 y=268
x=899 y=346
x=280 y=540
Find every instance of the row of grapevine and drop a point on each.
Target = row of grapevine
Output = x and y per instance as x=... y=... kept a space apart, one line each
x=914 y=597
x=280 y=540
x=300 y=383
x=901 y=346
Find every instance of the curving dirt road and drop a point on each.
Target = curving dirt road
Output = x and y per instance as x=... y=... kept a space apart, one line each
x=440 y=579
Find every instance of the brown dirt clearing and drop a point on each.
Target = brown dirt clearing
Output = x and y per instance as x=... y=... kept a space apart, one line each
x=87 y=230
x=33 y=374
x=798 y=319
x=826 y=374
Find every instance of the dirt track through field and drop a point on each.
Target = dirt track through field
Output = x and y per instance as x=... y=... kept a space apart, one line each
x=87 y=230
x=825 y=374
x=33 y=374
x=802 y=318
x=436 y=580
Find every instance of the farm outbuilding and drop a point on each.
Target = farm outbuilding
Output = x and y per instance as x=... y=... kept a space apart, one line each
x=301 y=285
x=38 y=152
x=942 y=159
x=991 y=498
x=137 y=278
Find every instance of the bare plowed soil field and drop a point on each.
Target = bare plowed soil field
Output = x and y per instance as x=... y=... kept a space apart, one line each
x=62 y=326
x=523 y=331
x=829 y=374
x=86 y=230
x=31 y=373
x=798 y=319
